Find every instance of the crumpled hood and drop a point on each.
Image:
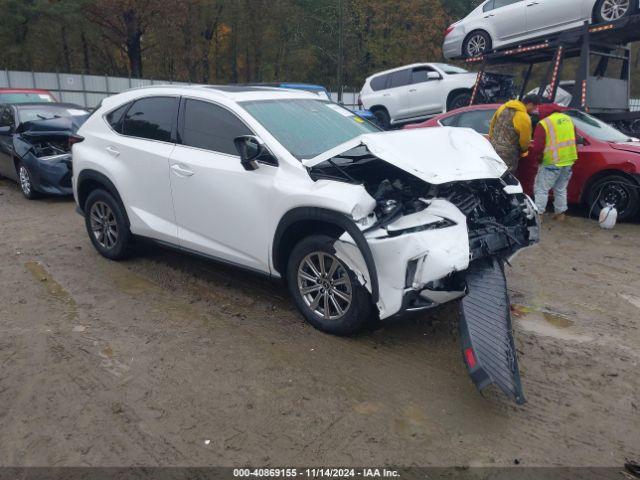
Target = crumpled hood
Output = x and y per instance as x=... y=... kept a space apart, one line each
x=52 y=126
x=435 y=155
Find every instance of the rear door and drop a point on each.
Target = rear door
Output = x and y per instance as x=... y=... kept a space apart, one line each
x=507 y=18
x=486 y=332
x=396 y=96
x=140 y=155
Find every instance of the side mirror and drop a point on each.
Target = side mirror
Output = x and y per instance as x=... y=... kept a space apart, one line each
x=6 y=130
x=249 y=148
x=581 y=141
x=433 y=76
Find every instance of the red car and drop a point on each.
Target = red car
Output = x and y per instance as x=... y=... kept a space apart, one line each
x=608 y=167
x=25 y=95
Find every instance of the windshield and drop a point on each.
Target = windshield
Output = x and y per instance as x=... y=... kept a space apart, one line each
x=25 y=98
x=47 y=112
x=450 y=69
x=307 y=127
x=595 y=128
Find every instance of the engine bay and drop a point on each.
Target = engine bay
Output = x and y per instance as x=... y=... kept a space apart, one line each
x=498 y=222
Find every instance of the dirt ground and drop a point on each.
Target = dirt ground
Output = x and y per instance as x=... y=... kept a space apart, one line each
x=167 y=359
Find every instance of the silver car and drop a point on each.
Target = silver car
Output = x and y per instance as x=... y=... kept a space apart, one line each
x=497 y=23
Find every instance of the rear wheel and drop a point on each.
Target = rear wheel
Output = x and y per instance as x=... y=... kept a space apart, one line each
x=106 y=225
x=618 y=191
x=611 y=10
x=26 y=184
x=382 y=117
x=325 y=290
x=460 y=100
x=477 y=43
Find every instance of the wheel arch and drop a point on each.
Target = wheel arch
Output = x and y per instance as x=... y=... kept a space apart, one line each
x=304 y=221
x=584 y=194
x=90 y=180
x=476 y=30
x=453 y=93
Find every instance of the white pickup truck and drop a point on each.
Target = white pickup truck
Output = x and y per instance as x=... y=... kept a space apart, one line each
x=415 y=92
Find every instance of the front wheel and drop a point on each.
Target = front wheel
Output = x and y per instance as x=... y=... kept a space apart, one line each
x=618 y=191
x=26 y=184
x=612 y=10
x=325 y=290
x=106 y=225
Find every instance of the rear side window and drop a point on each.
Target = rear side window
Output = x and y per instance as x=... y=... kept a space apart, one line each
x=451 y=121
x=211 y=127
x=115 y=117
x=400 y=78
x=151 y=118
x=379 y=83
x=6 y=117
x=488 y=6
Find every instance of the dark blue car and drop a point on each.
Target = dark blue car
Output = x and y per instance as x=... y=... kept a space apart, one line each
x=320 y=91
x=35 y=145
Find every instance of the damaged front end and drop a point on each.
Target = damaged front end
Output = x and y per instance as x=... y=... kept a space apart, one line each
x=44 y=147
x=429 y=233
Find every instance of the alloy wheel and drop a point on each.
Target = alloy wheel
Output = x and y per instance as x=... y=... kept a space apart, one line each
x=325 y=286
x=103 y=225
x=614 y=9
x=477 y=45
x=25 y=180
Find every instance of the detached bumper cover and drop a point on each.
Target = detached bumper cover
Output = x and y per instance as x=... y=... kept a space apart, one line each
x=486 y=330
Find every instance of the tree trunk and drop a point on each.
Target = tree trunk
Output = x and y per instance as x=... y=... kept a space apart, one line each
x=85 y=52
x=66 y=55
x=133 y=43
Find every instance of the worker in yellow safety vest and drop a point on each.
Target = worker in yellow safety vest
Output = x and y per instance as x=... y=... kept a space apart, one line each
x=554 y=148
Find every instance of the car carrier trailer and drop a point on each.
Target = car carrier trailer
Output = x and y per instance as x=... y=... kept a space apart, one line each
x=601 y=88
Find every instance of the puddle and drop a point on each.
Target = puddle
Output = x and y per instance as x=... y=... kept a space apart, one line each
x=54 y=289
x=546 y=323
x=131 y=283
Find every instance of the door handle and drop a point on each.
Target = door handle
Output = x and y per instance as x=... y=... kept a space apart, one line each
x=490 y=15
x=180 y=171
x=113 y=151
x=413 y=90
x=532 y=4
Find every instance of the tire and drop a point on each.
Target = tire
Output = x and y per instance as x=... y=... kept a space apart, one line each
x=459 y=100
x=623 y=193
x=357 y=310
x=477 y=43
x=383 y=118
x=107 y=225
x=25 y=182
x=611 y=10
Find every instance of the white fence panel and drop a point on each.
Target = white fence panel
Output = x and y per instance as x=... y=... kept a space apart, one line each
x=95 y=83
x=46 y=81
x=21 y=80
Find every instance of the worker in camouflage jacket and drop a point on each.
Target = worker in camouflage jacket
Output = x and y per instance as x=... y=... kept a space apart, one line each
x=511 y=131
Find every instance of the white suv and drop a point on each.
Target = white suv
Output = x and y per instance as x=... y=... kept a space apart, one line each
x=415 y=92
x=361 y=224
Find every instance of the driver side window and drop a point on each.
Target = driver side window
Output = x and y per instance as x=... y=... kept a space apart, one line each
x=6 y=117
x=493 y=4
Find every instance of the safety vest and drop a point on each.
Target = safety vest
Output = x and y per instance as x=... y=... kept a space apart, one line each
x=561 y=149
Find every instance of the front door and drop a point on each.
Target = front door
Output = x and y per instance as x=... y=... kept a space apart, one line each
x=220 y=207
x=425 y=92
x=546 y=16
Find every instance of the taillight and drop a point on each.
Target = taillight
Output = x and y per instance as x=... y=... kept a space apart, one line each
x=449 y=30
x=360 y=104
x=470 y=358
x=73 y=139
